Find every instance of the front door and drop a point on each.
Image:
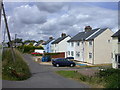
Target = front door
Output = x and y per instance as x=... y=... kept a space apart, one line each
x=117 y=58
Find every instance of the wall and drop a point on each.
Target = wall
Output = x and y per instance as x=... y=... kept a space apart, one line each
x=115 y=50
x=60 y=55
x=103 y=48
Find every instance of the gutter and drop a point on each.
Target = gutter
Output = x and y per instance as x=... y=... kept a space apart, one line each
x=93 y=53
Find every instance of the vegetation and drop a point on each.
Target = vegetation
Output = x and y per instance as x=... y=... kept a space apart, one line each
x=108 y=78
x=28 y=48
x=17 y=70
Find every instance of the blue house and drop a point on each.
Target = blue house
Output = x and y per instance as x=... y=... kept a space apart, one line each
x=47 y=45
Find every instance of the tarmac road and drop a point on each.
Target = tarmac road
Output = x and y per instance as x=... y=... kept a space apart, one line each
x=43 y=76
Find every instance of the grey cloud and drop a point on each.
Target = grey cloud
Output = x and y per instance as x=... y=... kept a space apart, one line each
x=28 y=21
x=30 y=15
x=50 y=7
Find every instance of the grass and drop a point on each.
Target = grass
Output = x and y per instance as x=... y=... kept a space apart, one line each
x=104 y=79
x=17 y=70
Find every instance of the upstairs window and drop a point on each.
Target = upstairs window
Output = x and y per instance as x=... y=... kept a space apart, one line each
x=78 y=43
x=90 y=43
x=72 y=44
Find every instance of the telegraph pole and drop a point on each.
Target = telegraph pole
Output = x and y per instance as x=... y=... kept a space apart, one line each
x=8 y=33
x=15 y=39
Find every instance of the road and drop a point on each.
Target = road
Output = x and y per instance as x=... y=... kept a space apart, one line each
x=43 y=76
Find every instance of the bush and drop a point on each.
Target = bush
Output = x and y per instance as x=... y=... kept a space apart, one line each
x=29 y=48
x=111 y=77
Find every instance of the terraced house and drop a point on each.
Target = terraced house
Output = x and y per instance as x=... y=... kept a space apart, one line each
x=116 y=50
x=91 y=46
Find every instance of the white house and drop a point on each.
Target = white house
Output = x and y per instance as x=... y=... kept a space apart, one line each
x=116 y=50
x=91 y=46
x=60 y=44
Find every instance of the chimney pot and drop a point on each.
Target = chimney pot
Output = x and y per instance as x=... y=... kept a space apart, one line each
x=88 y=28
x=50 y=37
x=63 y=35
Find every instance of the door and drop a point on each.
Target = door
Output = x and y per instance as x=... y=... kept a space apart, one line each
x=117 y=58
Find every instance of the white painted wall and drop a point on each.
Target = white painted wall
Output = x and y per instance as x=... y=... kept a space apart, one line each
x=115 y=50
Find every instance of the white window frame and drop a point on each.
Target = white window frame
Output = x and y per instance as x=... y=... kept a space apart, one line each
x=72 y=53
x=90 y=43
x=90 y=55
x=72 y=44
x=78 y=44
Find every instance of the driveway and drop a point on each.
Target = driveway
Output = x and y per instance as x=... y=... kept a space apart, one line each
x=43 y=76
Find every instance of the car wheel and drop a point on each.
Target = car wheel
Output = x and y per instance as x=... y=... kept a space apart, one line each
x=71 y=65
x=57 y=65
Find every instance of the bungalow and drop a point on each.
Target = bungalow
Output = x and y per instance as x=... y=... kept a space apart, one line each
x=116 y=50
x=47 y=45
x=91 y=46
x=60 y=44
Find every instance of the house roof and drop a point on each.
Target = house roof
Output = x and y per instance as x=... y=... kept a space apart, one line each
x=38 y=43
x=48 y=41
x=117 y=34
x=90 y=35
x=59 y=40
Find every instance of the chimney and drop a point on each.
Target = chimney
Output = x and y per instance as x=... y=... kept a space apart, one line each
x=63 y=35
x=88 y=28
x=50 y=37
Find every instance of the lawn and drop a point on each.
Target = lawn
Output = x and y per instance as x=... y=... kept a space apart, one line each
x=108 y=78
x=17 y=70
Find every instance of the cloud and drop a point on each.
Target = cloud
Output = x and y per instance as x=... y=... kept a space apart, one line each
x=30 y=15
x=41 y=20
x=50 y=7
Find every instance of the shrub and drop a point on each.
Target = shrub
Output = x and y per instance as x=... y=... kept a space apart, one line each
x=29 y=48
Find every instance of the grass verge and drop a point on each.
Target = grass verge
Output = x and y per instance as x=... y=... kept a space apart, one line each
x=104 y=79
x=17 y=70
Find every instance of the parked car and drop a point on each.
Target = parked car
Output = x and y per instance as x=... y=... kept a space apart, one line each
x=69 y=57
x=62 y=62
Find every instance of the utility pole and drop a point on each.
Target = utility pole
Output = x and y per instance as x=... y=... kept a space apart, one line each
x=15 y=39
x=8 y=33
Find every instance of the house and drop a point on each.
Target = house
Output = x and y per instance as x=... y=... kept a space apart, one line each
x=116 y=50
x=92 y=46
x=39 y=43
x=47 y=45
x=34 y=43
x=60 y=44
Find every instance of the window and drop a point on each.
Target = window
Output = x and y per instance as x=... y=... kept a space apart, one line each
x=90 y=55
x=108 y=41
x=90 y=43
x=72 y=44
x=72 y=53
x=78 y=43
x=77 y=54
x=68 y=52
x=118 y=39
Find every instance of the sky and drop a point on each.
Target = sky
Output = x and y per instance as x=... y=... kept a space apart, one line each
x=40 y=20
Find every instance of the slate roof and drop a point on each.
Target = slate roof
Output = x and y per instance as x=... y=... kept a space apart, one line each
x=47 y=42
x=38 y=43
x=59 y=40
x=117 y=34
x=90 y=35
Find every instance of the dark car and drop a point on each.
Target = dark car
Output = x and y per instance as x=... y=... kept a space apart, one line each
x=62 y=62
